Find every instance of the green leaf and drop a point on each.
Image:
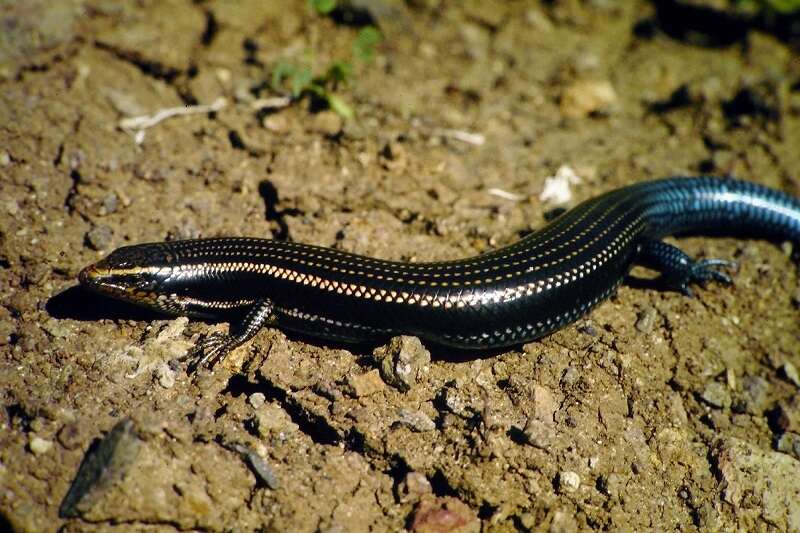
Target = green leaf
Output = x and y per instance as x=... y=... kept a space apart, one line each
x=301 y=79
x=339 y=72
x=366 y=40
x=338 y=105
x=282 y=71
x=323 y=7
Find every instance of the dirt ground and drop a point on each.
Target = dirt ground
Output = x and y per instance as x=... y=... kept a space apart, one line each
x=656 y=411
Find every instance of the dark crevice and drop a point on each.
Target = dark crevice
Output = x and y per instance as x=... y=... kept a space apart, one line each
x=352 y=15
x=250 y=50
x=211 y=29
x=72 y=193
x=441 y=486
x=680 y=98
x=59 y=155
x=150 y=68
x=700 y=25
x=237 y=143
x=486 y=511
x=316 y=427
x=748 y=102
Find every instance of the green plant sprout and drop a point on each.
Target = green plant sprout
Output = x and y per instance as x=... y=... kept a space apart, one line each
x=301 y=81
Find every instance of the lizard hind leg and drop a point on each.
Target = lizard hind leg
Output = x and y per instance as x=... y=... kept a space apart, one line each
x=678 y=270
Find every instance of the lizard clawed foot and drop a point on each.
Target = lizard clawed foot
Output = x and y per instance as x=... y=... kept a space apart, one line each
x=701 y=272
x=210 y=351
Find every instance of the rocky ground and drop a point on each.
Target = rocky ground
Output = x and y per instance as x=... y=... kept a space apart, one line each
x=656 y=411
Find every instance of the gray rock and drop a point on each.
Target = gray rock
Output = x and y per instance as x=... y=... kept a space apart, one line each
x=99 y=237
x=717 y=395
x=403 y=362
x=102 y=466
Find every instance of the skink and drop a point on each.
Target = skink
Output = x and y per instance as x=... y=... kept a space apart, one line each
x=501 y=298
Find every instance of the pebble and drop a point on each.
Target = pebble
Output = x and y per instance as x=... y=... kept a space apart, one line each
x=365 y=384
x=39 y=446
x=272 y=419
x=403 y=361
x=165 y=375
x=756 y=393
x=258 y=465
x=276 y=123
x=538 y=434
x=326 y=123
x=437 y=515
x=416 y=421
x=109 y=205
x=5 y=159
x=453 y=401
x=568 y=481
x=544 y=404
x=256 y=400
x=413 y=486
x=789 y=443
x=790 y=371
x=646 y=320
x=570 y=377
x=716 y=395
x=582 y=98
x=99 y=237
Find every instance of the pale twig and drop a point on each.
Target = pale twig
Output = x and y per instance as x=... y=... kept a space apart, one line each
x=505 y=195
x=148 y=121
x=277 y=102
x=464 y=136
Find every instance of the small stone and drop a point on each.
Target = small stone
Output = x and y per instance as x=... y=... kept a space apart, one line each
x=790 y=372
x=403 y=362
x=326 y=123
x=570 y=377
x=716 y=395
x=361 y=385
x=5 y=159
x=646 y=320
x=276 y=123
x=789 y=443
x=109 y=204
x=413 y=486
x=272 y=419
x=258 y=465
x=99 y=237
x=568 y=481
x=586 y=97
x=544 y=404
x=416 y=421
x=454 y=401
x=165 y=376
x=58 y=328
x=39 y=446
x=756 y=394
x=538 y=434
x=256 y=400
x=12 y=208
x=444 y=514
